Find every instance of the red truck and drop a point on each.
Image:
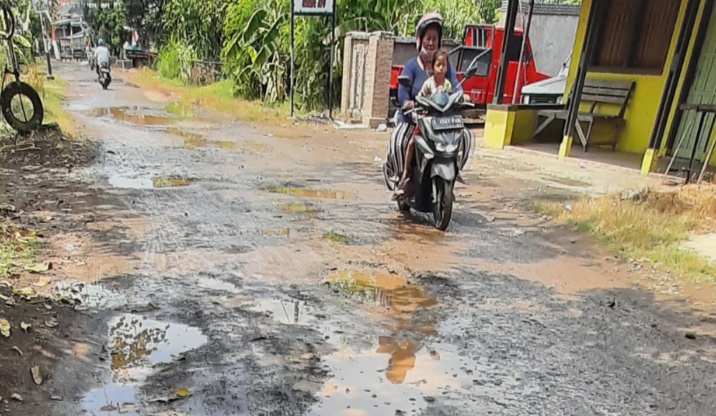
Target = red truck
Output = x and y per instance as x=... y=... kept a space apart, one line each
x=485 y=42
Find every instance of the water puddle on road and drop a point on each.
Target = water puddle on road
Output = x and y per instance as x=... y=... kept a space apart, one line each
x=91 y=295
x=211 y=283
x=395 y=376
x=137 y=343
x=281 y=232
x=402 y=369
x=302 y=210
x=309 y=193
x=386 y=291
x=285 y=311
x=136 y=116
x=150 y=183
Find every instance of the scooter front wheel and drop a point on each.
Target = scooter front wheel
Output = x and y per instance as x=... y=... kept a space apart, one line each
x=442 y=210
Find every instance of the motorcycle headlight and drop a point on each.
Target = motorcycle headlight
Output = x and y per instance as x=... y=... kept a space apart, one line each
x=440 y=147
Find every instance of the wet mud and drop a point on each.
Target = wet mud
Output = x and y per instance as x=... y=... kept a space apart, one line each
x=273 y=276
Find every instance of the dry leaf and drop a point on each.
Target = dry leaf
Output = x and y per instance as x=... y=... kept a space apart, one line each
x=51 y=323
x=25 y=292
x=42 y=282
x=39 y=268
x=25 y=326
x=4 y=327
x=183 y=393
x=36 y=376
x=17 y=397
x=18 y=350
x=307 y=356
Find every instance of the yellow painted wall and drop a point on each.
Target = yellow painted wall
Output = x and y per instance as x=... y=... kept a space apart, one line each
x=644 y=104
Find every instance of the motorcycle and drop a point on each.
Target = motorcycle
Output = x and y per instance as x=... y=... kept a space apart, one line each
x=104 y=77
x=436 y=164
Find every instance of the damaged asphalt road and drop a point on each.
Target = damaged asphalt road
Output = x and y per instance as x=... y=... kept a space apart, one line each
x=234 y=272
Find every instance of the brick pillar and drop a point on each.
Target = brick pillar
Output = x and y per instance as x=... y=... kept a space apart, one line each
x=347 y=74
x=377 y=78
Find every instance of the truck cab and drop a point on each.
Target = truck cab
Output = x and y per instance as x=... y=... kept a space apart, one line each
x=484 y=42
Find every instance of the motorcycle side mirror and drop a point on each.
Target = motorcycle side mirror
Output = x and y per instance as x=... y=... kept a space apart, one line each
x=405 y=82
x=471 y=70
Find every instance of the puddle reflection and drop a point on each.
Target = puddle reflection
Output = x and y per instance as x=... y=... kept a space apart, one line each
x=134 y=116
x=289 y=312
x=147 y=183
x=135 y=345
x=398 y=370
x=387 y=291
x=302 y=210
x=309 y=193
x=362 y=384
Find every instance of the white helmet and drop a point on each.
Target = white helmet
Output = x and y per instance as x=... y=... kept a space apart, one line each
x=429 y=19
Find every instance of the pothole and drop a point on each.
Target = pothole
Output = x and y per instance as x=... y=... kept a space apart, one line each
x=386 y=291
x=136 y=344
x=285 y=311
x=118 y=181
x=302 y=210
x=309 y=193
x=92 y=295
x=217 y=285
x=138 y=116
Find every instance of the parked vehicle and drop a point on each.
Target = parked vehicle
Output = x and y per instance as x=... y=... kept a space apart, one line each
x=104 y=76
x=549 y=91
x=437 y=146
x=484 y=43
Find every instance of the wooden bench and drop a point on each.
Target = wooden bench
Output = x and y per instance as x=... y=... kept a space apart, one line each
x=598 y=93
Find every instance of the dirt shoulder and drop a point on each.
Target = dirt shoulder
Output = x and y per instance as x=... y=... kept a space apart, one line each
x=41 y=201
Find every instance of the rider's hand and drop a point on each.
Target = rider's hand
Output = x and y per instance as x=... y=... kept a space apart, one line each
x=466 y=98
x=409 y=105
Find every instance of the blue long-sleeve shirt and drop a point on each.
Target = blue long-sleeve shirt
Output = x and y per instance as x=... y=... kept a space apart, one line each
x=419 y=76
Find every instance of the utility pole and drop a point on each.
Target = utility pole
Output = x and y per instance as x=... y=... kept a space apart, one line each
x=46 y=38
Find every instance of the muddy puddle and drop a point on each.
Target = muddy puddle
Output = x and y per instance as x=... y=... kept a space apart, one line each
x=303 y=211
x=384 y=291
x=138 y=116
x=403 y=370
x=89 y=296
x=136 y=344
x=285 y=310
x=124 y=182
x=309 y=193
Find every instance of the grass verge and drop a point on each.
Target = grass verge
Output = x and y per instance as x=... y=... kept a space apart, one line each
x=217 y=96
x=18 y=248
x=53 y=93
x=650 y=225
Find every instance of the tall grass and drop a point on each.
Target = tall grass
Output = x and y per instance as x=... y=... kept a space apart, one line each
x=650 y=225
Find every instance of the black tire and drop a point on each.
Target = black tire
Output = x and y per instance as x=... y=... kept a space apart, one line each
x=442 y=211
x=19 y=88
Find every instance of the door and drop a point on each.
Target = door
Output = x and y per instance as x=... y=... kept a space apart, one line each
x=703 y=91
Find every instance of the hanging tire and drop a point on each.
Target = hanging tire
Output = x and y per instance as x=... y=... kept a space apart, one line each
x=25 y=125
x=442 y=210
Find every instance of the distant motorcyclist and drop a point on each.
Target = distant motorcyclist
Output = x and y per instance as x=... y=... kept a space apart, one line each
x=101 y=55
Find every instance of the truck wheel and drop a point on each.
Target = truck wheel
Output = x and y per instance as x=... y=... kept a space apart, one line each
x=21 y=107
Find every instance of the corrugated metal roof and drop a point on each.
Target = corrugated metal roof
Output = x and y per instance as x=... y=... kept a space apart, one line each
x=549 y=9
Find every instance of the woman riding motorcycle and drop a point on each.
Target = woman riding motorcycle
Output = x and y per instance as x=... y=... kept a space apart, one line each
x=428 y=39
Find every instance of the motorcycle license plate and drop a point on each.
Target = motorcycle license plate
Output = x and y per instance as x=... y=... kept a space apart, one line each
x=448 y=123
